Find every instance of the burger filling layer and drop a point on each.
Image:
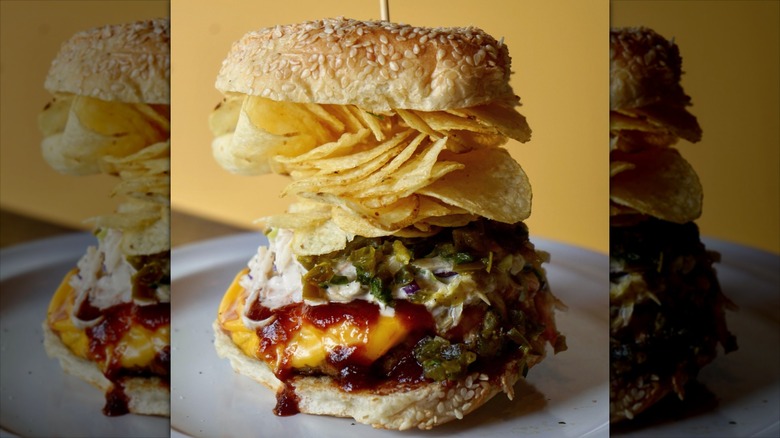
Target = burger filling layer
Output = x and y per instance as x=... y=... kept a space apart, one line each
x=667 y=312
x=114 y=310
x=388 y=311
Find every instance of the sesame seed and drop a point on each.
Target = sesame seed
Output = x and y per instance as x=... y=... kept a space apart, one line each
x=479 y=57
x=383 y=39
x=393 y=66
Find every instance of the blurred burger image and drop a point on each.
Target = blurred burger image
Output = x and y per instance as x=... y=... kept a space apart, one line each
x=401 y=289
x=667 y=312
x=109 y=321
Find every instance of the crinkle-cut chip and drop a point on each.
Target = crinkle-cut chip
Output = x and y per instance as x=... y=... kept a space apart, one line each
x=490 y=184
x=415 y=173
x=323 y=239
x=333 y=181
x=330 y=165
x=95 y=129
x=343 y=145
x=662 y=184
x=325 y=117
x=392 y=217
x=54 y=116
x=352 y=123
x=386 y=170
x=414 y=121
x=370 y=120
x=432 y=207
x=356 y=224
x=404 y=184
x=442 y=121
x=677 y=119
x=151 y=160
x=504 y=117
x=224 y=118
x=616 y=167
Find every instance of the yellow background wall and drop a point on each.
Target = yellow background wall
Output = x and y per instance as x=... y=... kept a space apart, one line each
x=731 y=58
x=561 y=73
x=31 y=33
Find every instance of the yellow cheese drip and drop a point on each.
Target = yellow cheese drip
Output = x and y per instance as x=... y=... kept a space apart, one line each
x=310 y=345
x=138 y=346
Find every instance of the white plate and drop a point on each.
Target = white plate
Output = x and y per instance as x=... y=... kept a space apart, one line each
x=566 y=395
x=38 y=398
x=739 y=394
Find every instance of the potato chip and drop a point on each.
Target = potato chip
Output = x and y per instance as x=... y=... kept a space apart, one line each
x=371 y=120
x=54 y=116
x=386 y=170
x=149 y=240
x=327 y=182
x=442 y=122
x=681 y=123
x=224 y=118
x=323 y=239
x=453 y=220
x=490 y=184
x=464 y=141
x=414 y=121
x=503 y=117
x=616 y=167
x=345 y=143
x=417 y=172
x=351 y=122
x=296 y=220
x=266 y=128
x=330 y=165
x=662 y=184
x=356 y=225
x=95 y=129
x=392 y=217
x=326 y=118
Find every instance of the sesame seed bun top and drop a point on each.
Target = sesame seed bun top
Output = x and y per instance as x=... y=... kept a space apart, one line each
x=645 y=68
x=125 y=63
x=372 y=64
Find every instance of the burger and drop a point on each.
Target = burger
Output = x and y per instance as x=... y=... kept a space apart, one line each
x=400 y=289
x=108 y=322
x=667 y=312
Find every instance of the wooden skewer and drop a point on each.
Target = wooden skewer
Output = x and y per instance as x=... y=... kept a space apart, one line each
x=384 y=10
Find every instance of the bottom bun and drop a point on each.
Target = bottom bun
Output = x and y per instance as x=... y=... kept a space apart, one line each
x=145 y=395
x=422 y=406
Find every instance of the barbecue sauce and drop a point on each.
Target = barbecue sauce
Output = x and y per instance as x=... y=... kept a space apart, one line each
x=115 y=322
x=350 y=368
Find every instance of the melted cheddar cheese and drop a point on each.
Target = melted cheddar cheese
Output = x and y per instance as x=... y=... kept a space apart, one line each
x=310 y=345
